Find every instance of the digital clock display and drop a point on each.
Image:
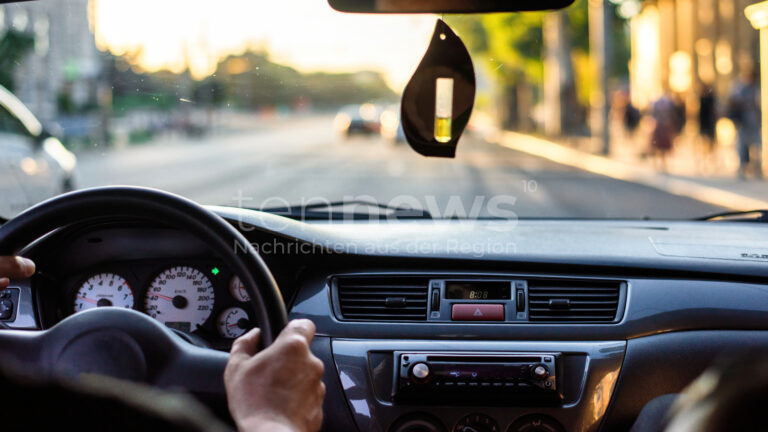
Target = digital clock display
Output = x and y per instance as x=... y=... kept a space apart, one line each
x=478 y=290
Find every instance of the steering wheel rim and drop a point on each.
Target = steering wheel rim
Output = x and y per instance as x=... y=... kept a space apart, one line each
x=160 y=206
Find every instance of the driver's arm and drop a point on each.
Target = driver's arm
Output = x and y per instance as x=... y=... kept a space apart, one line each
x=14 y=268
x=279 y=389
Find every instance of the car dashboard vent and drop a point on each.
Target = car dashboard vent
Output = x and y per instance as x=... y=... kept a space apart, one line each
x=574 y=301
x=382 y=298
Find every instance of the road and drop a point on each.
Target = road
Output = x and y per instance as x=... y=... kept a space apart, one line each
x=303 y=160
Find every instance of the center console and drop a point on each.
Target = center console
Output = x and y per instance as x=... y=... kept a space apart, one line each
x=475 y=353
x=480 y=386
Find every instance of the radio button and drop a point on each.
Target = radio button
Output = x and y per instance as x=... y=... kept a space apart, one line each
x=477 y=312
x=540 y=372
x=420 y=371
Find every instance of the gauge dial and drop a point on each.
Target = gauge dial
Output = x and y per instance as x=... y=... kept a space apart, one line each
x=104 y=289
x=232 y=322
x=181 y=298
x=237 y=289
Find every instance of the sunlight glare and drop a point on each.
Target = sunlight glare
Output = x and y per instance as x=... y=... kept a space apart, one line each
x=305 y=34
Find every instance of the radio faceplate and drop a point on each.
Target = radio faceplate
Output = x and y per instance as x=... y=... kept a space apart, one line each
x=475 y=377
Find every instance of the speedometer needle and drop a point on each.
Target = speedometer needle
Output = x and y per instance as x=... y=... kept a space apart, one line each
x=164 y=297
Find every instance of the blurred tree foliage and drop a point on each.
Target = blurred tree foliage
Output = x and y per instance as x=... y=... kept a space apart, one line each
x=249 y=81
x=510 y=46
x=14 y=45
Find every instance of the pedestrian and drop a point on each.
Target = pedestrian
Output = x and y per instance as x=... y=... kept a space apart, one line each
x=632 y=118
x=707 y=123
x=744 y=111
x=665 y=114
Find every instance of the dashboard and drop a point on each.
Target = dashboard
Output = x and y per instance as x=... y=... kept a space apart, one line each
x=574 y=327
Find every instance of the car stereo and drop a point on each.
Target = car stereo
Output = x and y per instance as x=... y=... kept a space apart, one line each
x=476 y=377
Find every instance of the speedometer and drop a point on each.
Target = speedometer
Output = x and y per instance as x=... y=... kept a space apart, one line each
x=181 y=298
x=104 y=289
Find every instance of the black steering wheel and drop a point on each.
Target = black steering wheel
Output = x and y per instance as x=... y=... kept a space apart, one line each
x=124 y=343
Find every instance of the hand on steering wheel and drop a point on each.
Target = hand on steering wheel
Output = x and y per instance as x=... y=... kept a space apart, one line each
x=280 y=388
x=16 y=268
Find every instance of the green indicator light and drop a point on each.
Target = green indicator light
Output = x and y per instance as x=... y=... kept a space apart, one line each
x=215 y=271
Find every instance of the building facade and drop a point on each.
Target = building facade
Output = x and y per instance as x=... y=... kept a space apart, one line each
x=63 y=68
x=680 y=46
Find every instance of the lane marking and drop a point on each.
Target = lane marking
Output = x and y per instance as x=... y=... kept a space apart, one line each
x=622 y=171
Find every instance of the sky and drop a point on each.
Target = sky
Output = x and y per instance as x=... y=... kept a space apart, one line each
x=306 y=34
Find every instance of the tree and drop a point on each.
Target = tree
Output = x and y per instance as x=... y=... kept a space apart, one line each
x=14 y=46
x=511 y=48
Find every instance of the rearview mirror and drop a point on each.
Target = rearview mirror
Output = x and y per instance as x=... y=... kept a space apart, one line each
x=445 y=6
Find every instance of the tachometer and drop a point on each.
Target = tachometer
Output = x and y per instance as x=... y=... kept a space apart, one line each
x=104 y=289
x=181 y=298
x=233 y=322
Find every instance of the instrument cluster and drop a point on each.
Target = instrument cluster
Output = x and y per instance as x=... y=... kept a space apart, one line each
x=197 y=297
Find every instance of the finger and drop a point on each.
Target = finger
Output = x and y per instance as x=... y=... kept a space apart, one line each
x=246 y=345
x=316 y=420
x=303 y=327
x=16 y=267
x=4 y=282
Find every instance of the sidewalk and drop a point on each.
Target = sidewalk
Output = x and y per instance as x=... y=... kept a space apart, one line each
x=713 y=182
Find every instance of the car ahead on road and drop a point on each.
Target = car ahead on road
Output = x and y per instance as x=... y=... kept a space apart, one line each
x=522 y=286
x=358 y=119
x=34 y=165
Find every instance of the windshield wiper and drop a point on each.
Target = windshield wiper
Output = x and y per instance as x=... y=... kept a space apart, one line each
x=340 y=210
x=738 y=216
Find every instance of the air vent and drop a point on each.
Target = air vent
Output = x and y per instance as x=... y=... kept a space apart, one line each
x=383 y=298
x=564 y=300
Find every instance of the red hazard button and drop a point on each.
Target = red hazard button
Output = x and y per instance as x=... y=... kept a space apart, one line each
x=477 y=312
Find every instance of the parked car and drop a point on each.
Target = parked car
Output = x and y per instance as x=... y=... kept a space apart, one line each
x=34 y=165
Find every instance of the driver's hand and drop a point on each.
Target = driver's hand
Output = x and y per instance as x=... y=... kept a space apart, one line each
x=14 y=268
x=279 y=389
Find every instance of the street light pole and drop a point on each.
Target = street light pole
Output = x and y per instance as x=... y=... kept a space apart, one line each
x=758 y=17
x=599 y=51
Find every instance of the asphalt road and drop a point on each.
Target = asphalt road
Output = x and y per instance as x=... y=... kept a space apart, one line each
x=302 y=160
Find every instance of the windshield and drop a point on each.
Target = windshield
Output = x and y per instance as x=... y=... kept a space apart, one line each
x=614 y=109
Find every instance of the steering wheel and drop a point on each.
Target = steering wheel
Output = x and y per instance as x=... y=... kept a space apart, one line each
x=125 y=343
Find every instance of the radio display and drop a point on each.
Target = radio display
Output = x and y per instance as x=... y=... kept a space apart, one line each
x=478 y=290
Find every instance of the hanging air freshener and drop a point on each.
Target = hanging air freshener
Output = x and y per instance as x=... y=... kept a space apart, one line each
x=438 y=100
